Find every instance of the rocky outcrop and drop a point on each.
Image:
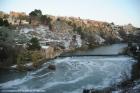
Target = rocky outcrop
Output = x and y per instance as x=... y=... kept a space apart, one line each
x=93 y=32
x=51 y=52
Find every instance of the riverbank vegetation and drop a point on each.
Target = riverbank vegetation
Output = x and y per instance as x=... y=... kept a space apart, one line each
x=29 y=57
x=12 y=53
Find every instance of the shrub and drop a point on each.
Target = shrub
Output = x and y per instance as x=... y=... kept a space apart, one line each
x=6 y=35
x=29 y=56
x=34 y=44
x=36 y=56
x=4 y=22
x=1 y=22
x=23 y=57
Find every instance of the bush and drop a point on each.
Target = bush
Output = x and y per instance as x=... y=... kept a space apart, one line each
x=6 y=35
x=4 y=22
x=36 y=56
x=29 y=56
x=34 y=44
x=1 y=22
x=23 y=57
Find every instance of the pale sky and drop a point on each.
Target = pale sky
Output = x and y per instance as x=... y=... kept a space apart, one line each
x=120 y=12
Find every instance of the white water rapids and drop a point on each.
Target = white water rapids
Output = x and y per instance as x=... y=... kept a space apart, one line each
x=72 y=75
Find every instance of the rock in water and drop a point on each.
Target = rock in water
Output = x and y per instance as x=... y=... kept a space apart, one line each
x=52 y=67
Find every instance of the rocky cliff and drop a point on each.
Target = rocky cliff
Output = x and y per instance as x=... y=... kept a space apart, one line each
x=71 y=32
x=91 y=32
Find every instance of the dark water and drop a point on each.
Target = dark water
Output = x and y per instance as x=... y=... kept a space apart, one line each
x=73 y=74
x=114 y=49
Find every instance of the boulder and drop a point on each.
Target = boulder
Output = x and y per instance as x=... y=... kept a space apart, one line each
x=52 y=67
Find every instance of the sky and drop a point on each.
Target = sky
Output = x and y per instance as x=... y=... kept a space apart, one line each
x=121 y=12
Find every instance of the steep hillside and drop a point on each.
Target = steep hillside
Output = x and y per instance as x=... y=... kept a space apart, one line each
x=68 y=32
x=92 y=32
x=71 y=32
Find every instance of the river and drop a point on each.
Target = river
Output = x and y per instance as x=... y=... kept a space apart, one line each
x=73 y=74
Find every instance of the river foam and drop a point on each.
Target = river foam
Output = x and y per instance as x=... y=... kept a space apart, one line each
x=74 y=74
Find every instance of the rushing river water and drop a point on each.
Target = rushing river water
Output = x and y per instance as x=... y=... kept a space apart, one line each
x=73 y=74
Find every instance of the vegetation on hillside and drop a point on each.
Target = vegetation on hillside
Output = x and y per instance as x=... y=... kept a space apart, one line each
x=37 y=17
x=7 y=44
x=4 y=22
x=10 y=53
x=33 y=44
x=26 y=57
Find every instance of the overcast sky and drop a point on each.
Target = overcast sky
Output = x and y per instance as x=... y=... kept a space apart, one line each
x=118 y=11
